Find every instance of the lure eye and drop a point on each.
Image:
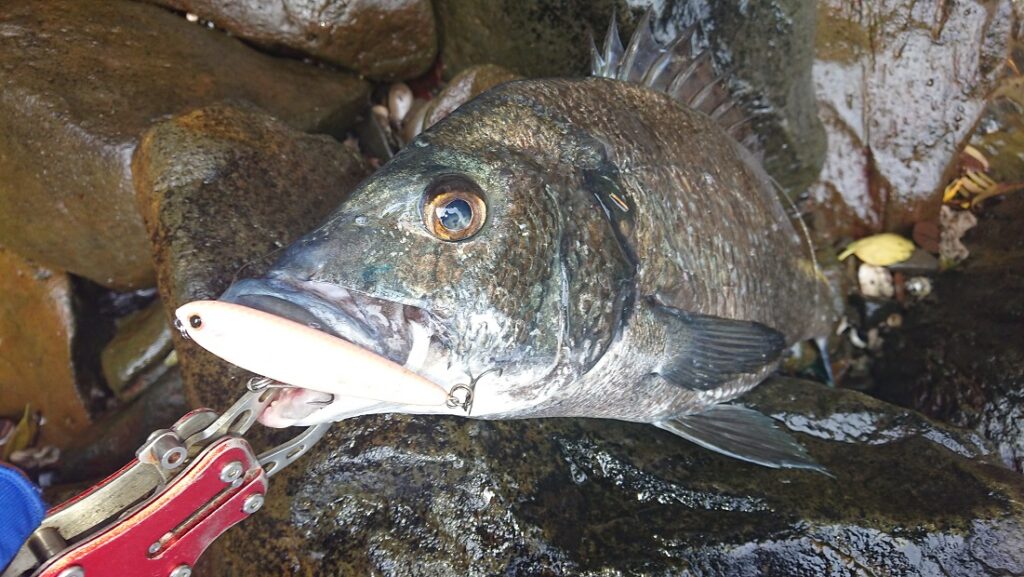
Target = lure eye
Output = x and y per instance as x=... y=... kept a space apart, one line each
x=195 y=321
x=454 y=211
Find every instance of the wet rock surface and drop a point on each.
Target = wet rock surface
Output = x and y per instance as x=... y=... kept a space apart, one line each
x=536 y=38
x=382 y=40
x=394 y=495
x=38 y=331
x=900 y=85
x=960 y=356
x=132 y=359
x=768 y=48
x=81 y=81
x=113 y=439
x=222 y=189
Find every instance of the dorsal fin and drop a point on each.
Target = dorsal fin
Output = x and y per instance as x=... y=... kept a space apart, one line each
x=683 y=69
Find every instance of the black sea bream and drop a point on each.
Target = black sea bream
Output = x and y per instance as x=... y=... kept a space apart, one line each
x=599 y=247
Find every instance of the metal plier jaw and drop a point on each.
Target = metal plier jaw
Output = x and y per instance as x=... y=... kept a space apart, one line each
x=156 y=516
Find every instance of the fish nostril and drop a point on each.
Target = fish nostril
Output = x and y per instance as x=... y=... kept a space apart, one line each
x=303 y=261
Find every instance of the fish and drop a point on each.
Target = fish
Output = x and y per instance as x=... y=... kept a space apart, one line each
x=600 y=247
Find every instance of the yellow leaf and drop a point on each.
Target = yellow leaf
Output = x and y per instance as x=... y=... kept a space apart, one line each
x=880 y=249
x=951 y=190
x=977 y=183
x=22 y=436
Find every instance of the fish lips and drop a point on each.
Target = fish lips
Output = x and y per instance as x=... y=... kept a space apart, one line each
x=374 y=324
x=395 y=331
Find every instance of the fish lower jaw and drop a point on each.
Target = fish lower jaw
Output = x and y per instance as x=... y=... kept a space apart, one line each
x=296 y=407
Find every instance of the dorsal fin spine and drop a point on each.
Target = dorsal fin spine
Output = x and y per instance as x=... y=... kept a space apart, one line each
x=677 y=69
x=722 y=109
x=703 y=94
x=629 y=60
x=612 y=48
x=680 y=84
x=656 y=70
x=596 y=61
x=659 y=66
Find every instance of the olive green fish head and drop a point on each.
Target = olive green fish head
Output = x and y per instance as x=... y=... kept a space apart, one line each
x=463 y=256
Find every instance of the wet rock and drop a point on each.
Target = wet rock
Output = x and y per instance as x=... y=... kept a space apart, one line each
x=854 y=418
x=1000 y=134
x=221 y=190
x=382 y=40
x=920 y=262
x=960 y=354
x=535 y=38
x=37 y=350
x=81 y=82
x=402 y=496
x=900 y=85
x=135 y=357
x=926 y=235
x=377 y=139
x=112 y=441
x=768 y=46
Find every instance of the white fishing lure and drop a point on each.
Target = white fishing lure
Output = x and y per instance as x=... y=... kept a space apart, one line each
x=301 y=356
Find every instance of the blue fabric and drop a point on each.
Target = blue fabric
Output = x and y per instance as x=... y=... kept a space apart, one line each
x=21 y=511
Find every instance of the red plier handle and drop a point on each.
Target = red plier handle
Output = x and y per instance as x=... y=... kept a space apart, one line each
x=156 y=516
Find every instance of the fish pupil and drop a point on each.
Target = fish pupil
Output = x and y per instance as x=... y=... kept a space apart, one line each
x=195 y=321
x=455 y=215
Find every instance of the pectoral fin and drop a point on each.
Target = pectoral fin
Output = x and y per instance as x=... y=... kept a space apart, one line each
x=744 y=434
x=703 y=352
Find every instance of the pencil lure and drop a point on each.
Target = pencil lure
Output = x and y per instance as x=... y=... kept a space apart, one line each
x=301 y=356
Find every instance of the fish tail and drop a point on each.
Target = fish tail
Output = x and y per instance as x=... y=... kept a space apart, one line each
x=683 y=68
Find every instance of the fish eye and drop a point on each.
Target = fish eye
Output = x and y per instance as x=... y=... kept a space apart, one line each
x=454 y=210
x=195 y=321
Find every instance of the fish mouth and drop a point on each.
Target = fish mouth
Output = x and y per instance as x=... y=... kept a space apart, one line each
x=398 y=332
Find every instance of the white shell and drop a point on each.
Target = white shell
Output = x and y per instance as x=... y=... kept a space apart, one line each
x=875 y=281
x=399 y=102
